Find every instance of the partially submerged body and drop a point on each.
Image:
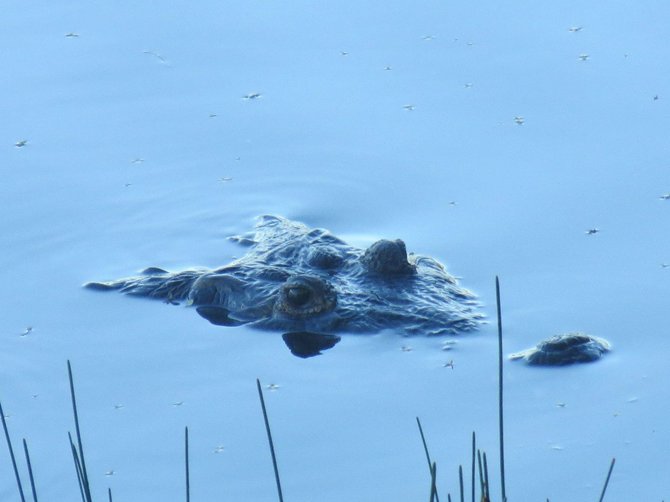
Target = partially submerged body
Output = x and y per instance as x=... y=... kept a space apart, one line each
x=565 y=349
x=299 y=279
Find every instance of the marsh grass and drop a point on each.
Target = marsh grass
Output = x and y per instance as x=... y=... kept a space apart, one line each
x=272 y=446
x=479 y=458
x=188 y=474
x=479 y=462
x=11 y=454
x=30 y=470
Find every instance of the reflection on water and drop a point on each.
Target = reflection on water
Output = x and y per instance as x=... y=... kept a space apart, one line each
x=304 y=344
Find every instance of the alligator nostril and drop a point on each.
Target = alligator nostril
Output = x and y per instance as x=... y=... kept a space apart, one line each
x=298 y=296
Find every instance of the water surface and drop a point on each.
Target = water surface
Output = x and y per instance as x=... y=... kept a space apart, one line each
x=143 y=152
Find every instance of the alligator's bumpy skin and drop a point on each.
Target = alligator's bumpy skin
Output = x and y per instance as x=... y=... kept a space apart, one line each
x=565 y=349
x=294 y=278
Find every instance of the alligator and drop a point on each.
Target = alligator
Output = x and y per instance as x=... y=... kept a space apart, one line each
x=302 y=280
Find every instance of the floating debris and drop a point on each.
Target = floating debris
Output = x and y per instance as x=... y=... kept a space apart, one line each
x=583 y=57
x=251 y=96
x=156 y=55
x=448 y=345
x=519 y=120
x=409 y=108
x=21 y=143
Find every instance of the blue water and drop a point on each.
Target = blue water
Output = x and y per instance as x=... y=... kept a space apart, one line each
x=126 y=168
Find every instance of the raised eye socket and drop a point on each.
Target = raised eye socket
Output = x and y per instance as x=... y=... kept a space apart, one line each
x=298 y=295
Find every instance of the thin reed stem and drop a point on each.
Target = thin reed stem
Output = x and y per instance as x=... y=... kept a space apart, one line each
x=607 y=480
x=460 y=482
x=11 y=454
x=109 y=494
x=84 y=474
x=433 y=480
x=188 y=478
x=272 y=448
x=425 y=448
x=481 y=474
x=486 y=478
x=473 y=466
x=500 y=393
x=30 y=470
x=77 y=467
x=423 y=440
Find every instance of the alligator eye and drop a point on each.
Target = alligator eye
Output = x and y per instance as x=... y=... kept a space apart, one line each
x=298 y=295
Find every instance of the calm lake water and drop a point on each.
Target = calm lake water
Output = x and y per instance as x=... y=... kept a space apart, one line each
x=491 y=137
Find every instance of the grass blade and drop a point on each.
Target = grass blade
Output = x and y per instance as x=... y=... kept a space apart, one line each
x=188 y=479
x=487 y=493
x=423 y=440
x=481 y=475
x=607 y=480
x=500 y=393
x=30 y=470
x=425 y=448
x=109 y=494
x=84 y=474
x=473 y=466
x=77 y=467
x=433 y=486
x=460 y=480
x=11 y=454
x=272 y=448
